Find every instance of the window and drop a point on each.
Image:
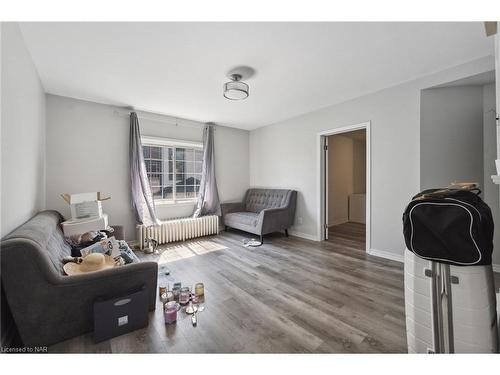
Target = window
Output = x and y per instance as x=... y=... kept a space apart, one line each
x=174 y=168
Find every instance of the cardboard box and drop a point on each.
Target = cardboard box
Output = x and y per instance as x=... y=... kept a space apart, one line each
x=80 y=226
x=85 y=205
x=86 y=209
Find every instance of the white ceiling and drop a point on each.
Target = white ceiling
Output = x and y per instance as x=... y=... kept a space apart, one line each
x=178 y=69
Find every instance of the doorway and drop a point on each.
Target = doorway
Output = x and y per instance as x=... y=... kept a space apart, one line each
x=345 y=186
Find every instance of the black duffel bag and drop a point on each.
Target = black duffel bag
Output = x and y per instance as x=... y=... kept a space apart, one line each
x=450 y=226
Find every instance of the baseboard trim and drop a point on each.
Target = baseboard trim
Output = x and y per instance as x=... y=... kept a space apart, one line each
x=386 y=255
x=496 y=268
x=303 y=235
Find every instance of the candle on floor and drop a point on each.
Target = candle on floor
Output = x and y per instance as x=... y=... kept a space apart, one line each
x=170 y=312
x=162 y=290
x=163 y=298
x=194 y=298
x=199 y=289
x=170 y=296
x=184 y=296
x=176 y=292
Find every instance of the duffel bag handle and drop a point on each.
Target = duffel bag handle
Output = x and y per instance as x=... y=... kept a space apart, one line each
x=470 y=186
x=454 y=186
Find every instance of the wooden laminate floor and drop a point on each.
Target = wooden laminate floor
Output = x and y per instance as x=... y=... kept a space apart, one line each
x=288 y=296
x=350 y=234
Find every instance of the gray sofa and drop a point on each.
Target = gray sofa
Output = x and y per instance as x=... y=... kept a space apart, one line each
x=262 y=211
x=48 y=306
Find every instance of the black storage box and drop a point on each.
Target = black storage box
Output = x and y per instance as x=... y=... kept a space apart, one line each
x=118 y=315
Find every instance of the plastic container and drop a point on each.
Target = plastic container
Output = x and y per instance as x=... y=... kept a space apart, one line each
x=170 y=312
x=184 y=296
x=473 y=308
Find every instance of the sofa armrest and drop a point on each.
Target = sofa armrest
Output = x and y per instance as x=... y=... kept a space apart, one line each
x=274 y=219
x=129 y=271
x=227 y=208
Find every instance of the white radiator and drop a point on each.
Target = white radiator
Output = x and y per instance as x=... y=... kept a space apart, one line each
x=178 y=229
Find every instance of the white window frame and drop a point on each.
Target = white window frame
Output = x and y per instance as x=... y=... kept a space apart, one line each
x=169 y=142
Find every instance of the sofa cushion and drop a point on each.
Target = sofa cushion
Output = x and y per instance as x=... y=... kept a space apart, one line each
x=44 y=230
x=258 y=199
x=245 y=218
x=57 y=249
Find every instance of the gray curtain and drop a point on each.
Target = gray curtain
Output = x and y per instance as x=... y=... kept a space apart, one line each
x=208 y=198
x=142 y=198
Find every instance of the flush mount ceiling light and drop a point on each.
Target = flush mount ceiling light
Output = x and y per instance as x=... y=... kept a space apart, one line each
x=236 y=89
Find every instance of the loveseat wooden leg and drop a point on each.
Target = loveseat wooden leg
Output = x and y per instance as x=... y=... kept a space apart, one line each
x=261 y=239
x=286 y=232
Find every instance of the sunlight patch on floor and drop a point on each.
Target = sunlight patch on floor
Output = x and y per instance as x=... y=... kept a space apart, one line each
x=204 y=247
x=188 y=250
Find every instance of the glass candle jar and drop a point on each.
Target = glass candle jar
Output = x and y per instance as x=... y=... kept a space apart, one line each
x=199 y=289
x=194 y=298
x=184 y=296
x=162 y=290
x=170 y=312
x=176 y=292
x=163 y=298
x=170 y=296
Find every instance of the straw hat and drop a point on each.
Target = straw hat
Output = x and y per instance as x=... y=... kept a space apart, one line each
x=91 y=263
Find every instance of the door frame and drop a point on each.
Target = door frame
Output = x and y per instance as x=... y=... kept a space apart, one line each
x=321 y=177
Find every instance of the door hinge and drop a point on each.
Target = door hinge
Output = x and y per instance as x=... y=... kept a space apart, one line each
x=325 y=147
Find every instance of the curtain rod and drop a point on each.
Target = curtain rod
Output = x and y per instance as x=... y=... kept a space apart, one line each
x=172 y=121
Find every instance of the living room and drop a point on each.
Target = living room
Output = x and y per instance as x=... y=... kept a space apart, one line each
x=183 y=198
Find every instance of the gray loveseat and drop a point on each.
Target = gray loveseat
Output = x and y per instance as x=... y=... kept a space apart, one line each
x=262 y=211
x=48 y=306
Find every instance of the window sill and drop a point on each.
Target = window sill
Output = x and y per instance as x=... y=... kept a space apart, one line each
x=189 y=202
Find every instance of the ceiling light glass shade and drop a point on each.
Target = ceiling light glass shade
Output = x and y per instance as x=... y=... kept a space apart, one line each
x=235 y=90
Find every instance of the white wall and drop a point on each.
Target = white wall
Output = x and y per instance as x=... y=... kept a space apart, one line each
x=490 y=190
x=22 y=132
x=87 y=150
x=340 y=178
x=286 y=154
x=458 y=142
x=451 y=136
